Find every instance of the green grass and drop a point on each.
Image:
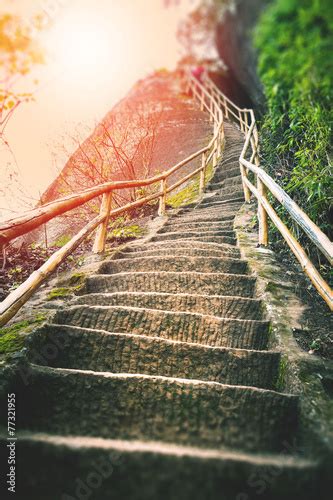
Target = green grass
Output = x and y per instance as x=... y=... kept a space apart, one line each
x=294 y=39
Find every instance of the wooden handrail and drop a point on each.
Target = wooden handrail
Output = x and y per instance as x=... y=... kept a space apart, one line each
x=211 y=99
x=320 y=239
x=32 y=219
x=265 y=184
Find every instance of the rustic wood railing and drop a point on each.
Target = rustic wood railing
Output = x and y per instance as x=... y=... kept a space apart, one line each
x=218 y=106
x=32 y=219
x=264 y=184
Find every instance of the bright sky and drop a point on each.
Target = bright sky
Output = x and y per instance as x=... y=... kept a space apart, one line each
x=96 y=51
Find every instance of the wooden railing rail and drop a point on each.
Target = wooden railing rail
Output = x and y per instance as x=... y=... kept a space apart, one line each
x=265 y=184
x=218 y=106
x=32 y=219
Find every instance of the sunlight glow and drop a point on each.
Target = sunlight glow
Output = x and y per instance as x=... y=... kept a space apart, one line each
x=84 y=44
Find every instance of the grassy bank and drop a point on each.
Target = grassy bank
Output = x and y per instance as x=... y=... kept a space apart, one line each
x=294 y=39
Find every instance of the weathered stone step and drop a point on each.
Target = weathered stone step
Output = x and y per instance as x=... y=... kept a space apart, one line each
x=159 y=251
x=167 y=282
x=99 y=351
x=174 y=225
x=217 y=305
x=223 y=174
x=227 y=250
x=227 y=209
x=126 y=406
x=178 y=326
x=137 y=470
x=225 y=191
x=233 y=181
x=219 y=186
x=221 y=240
x=224 y=211
x=224 y=227
x=230 y=157
x=175 y=263
x=218 y=200
x=227 y=237
x=206 y=216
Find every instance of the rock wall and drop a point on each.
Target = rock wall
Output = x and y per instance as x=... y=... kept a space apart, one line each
x=234 y=45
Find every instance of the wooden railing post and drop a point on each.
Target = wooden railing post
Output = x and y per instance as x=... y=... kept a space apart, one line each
x=215 y=154
x=225 y=108
x=211 y=110
x=219 y=142
x=262 y=214
x=202 y=100
x=100 y=239
x=162 y=203
x=202 y=174
x=256 y=144
x=247 y=192
x=240 y=121
x=246 y=121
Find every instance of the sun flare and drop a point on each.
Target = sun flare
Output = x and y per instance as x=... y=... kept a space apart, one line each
x=84 y=44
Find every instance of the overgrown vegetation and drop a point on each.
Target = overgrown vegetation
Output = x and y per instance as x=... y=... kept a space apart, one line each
x=294 y=39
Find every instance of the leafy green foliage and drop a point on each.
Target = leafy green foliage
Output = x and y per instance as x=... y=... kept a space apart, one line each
x=294 y=39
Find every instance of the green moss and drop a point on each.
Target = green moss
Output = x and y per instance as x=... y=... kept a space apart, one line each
x=190 y=192
x=62 y=292
x=77 y=278
x=124 y=232
x=12 y=337
x=62 y=240
x=281 y=381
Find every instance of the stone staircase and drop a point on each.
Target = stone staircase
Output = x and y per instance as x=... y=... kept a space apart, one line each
x=159 y=382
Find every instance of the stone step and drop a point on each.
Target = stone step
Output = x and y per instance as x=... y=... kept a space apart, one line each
x=166 y=282
x=183 y=251
x=175 y=263
x=218 y=213
x=228 y=209
x=126 y=406
x=99 y=351
x=227 y=237
x=181 y=245
x=206 y=216
x=227 y=190
x=230 y=158
x=178 y=326
x=217 y=305
x=218 y=186
x=220 y=240
x=230 y=181
x=213 y=200
x=73 y=467
x=223 y=174
x=174 y=225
